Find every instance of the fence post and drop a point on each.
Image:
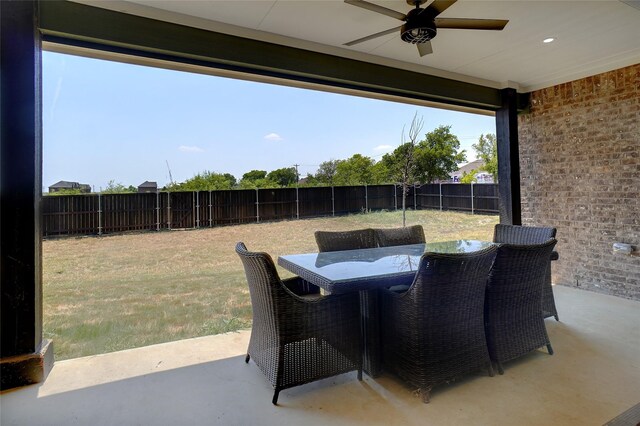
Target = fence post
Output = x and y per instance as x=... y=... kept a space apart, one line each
x=169 y=210
x=440 y=196
x=257 y=207
x=157 y=210
x=210 y=211
x=197 y=222
x=297 y=204
x=333 y=202
x=395 y=196
x=366 y=199
x=472 y=198
x=415 y=198
x=99 y=213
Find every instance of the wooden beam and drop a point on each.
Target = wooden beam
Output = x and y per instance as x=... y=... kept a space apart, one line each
x=508 y=159
x=22 y=354
x=86 y=26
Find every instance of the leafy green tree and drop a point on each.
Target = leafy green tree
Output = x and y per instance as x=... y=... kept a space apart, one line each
x=114 y=187
x=257 y=184
x=487 y=150
x=231 y=178
x=469 y=177
x=357 y=170
x=283 y=177
x=437 y=155
x=256 y=179
x=327 y=172
x=206 y=181
x=254 y=175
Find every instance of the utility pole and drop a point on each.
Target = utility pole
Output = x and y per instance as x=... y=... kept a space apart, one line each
x=297 y=175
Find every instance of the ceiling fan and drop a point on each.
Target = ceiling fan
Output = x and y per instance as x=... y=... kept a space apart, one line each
x=421 y=24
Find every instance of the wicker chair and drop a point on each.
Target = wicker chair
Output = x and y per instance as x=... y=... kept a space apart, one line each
x=345 y=240
x=513 y=322
x=512 y=234
x=434 y=332
x=400 y=236
x=296 y=339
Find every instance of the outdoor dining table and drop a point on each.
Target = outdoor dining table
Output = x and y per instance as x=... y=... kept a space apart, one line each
x=366 y=270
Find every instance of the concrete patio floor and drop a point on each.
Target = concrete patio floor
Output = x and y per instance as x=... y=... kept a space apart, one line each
x=593 y=377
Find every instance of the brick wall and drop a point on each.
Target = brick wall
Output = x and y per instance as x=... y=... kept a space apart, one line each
x=580 y=170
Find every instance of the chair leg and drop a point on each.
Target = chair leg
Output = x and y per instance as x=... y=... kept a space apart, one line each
x=499 y=366
x=274 y=401
x=556 y=317
x=491 y=373
x=549 y=349
x=360 y=374
x=246 y=360
x=426 y=395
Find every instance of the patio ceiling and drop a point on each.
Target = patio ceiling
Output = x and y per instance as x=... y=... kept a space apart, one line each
x=591 y=36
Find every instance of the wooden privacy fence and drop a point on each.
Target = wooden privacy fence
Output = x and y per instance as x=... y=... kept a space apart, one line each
x=111 y=213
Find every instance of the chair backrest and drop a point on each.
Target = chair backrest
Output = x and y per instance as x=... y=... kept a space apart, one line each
x=517 y=277
x=449 y=286
x=513 y=234
x=265 y=286
x=400 y=236
x=345 y=240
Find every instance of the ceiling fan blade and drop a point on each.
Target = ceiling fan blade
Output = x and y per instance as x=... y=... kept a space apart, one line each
x=439 y=6
x=471 y=24
x=378 y=9
x=372 y=36
x=424 y=48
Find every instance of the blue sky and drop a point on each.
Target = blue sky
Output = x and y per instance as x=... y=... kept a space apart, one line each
x=112 y=121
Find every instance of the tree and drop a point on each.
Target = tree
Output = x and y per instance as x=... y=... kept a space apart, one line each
x=401 y=163
x=114 y=187
x=206 y=181
x=327 y=171
x=469 y=177
x=437 y=155
x=283 y=177
x=356 y=170
x=487 y=150
x=256 y=179
x=254 y=175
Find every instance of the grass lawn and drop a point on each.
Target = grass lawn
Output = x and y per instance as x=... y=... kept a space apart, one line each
x=104 y=294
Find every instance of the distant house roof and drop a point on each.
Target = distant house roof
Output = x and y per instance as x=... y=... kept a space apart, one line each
x=467 y=168
x=63 y=184
x=148 y=184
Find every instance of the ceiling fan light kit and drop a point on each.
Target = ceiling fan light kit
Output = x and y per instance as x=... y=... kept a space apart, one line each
x=421 y=24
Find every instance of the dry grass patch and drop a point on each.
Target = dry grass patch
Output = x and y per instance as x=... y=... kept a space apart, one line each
x=125 y=291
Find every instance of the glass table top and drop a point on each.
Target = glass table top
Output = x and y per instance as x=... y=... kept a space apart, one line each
x=364 y=264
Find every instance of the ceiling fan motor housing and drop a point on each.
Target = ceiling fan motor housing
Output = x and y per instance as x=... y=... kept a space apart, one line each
x=418 y=28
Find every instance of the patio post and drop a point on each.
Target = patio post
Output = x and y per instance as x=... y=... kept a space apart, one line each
x=25 y=357
x=333 y=202
x=508 y=159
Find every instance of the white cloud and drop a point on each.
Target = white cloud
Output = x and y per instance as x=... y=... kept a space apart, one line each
x=273 y=137
x=383 y=148
x=185 y=148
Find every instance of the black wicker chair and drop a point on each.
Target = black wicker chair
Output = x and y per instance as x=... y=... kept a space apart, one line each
x=513 y=322
x=400 y=236
x=434 y=332
x=512 y=234
x=296 y=339
x=345 y=240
